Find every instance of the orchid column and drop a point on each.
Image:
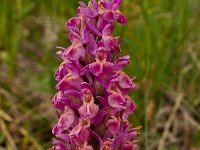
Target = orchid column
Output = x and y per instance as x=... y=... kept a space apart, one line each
x=92 y=102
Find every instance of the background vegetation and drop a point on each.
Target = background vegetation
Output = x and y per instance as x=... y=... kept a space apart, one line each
x=163 y=39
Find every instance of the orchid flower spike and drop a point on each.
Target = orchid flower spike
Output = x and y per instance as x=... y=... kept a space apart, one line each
x=92 y=101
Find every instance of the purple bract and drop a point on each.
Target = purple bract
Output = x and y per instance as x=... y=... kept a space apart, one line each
x=92 y=101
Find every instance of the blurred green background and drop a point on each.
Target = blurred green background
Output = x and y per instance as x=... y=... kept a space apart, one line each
x=163 y=39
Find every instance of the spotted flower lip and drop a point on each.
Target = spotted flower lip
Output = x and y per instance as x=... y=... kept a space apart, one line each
x=101 y=66
x=89 y=109
x=92 y=101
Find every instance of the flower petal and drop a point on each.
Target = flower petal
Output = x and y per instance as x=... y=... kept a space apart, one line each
x=93 y=29
x=59 y=101
x=58 y=145
x=113 y=124
x=88 y=13
x=95 y=68
x=121 y=62
x=121 y=18
x=92 y=46
x=99 y=117
x=75 y=52
x=109 y=16
x=115 y=4
x=69 y=82
x=65 y=121
x=73 y=23
x=116 y=101
x=112 y=43
x=130 y=107
x=127 y=145
x=108 y=30
x=75 y=37
x=61 y=71
x=125 y=82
